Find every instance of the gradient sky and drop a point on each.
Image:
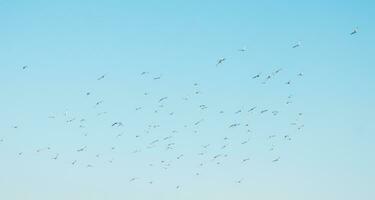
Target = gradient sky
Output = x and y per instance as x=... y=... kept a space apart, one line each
x=69 y=44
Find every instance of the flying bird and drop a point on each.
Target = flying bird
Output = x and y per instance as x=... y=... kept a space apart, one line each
x=81 y=149
x=101 y=77
x=355 y=30
x=243 y=49
x=221 y=60
x=298 y=44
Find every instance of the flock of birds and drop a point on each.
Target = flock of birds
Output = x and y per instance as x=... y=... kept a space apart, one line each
x=205 y=154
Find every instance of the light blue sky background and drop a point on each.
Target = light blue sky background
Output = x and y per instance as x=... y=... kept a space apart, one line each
x=68 y=45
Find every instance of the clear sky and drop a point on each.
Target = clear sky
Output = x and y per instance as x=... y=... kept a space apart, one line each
x=67 y=45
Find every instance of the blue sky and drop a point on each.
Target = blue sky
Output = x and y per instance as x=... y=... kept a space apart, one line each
x=67 y=45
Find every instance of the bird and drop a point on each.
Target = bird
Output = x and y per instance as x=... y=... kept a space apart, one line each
x=101 y=77
x=234 y=125
x=238 y=111
x=243 y=49
x=162 y=99
x=298 y=44
x=56 y=157
x=256 y=76
x=118 y=124
x=220 y=61
x=25 y=67
x=276 y=160
x=133 y=179
x=157 y=77
x=251 y=109
x=81 y=149
x=98 y=103
x=198 y=122
x=355 y=30
x=239 y=181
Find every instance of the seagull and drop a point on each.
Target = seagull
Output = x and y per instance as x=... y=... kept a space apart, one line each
x=144 y=73
x=81 y=149
x=221 y=60
x=198 y=122
x=300 y=74
x=298 y=44
x=98 y=103
x=157 y=78
x=71 y=120
x=153 y=142
x=39 y=150
x=256 y=76
x=278 y=70
x=74 y=162
x=263 y=111
x=243 y=49
x=118 y=124
x=355 y=30
x=238 y=111
x=251 y=109
x=234 y=125
x=276 y=160
x=101 y=113
x=133 y=179
x=25 y=67
x=162 y=99
x=101 y=77
x=56 y=157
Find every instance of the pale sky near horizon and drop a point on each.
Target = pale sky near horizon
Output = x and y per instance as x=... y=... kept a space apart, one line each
x=68 y=45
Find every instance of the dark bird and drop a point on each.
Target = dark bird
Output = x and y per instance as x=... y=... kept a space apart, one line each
x=162 y=99
x=118 y=124
x=98 y=103
x=56 y=157
x=355 y=30
x=256 y=76
x=101 y=77
x=251 y=109
x=243 y=49
x=298 y=44
x=157 y=78
x=81 y=149
x=220 y=61
x=234 y=125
